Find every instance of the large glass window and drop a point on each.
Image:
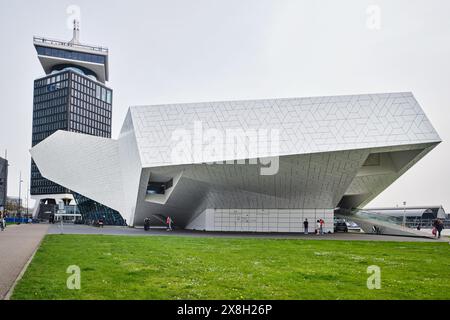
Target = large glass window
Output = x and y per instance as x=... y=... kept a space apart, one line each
x=103 y=94
x=69 y=54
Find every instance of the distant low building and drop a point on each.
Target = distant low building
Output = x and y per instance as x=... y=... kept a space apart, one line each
x=411 y=214
x=12 y=202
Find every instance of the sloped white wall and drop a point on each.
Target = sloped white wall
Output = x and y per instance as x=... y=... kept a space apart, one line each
x=83 y=163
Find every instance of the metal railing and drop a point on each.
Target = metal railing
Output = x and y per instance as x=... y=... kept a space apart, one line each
x=69 y=45
x=425 y=223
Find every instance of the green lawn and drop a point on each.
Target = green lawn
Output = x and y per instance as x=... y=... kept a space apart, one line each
x=128 y=267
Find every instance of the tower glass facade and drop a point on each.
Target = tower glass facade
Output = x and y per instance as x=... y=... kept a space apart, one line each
x=71 y=97
x=67 y=100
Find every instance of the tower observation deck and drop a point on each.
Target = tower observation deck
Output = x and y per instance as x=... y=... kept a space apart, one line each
x=56 y=55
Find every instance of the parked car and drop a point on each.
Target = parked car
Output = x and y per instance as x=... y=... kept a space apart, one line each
x=340 y=226
x=353 y=226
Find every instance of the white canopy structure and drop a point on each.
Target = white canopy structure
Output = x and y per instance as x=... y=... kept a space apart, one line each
x=325 y=152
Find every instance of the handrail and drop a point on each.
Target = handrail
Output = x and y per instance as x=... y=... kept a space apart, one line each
x=69 y=45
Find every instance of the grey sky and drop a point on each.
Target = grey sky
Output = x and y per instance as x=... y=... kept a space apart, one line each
x=205 y=50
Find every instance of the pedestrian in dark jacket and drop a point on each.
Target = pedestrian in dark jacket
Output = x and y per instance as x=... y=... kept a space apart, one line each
x=439 y=227
x=305 y=225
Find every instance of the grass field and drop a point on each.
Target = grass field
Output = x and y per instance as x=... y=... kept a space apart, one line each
x=121 y=267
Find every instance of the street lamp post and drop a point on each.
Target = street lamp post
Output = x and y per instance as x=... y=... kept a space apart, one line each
x=20 y=193
x=404 y=214
x=28 y=192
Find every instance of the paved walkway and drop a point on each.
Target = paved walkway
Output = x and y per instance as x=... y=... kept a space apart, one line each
x=17 y=245
x=111 y=230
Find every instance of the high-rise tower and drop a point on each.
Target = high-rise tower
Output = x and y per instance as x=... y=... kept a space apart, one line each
x=72 y=96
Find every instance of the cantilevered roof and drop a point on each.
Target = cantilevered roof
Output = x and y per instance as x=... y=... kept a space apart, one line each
x=52 y=53
x=325 y=145
x=305 y=125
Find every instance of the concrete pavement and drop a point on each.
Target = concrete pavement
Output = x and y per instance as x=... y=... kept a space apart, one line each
x=17 y=244
x=112 y=230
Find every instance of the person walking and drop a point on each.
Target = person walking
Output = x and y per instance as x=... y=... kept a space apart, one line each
x=169 y=223
x=305 y=225
x=439 y=227
x=435 y=227
x=100 y=223
x=146 y=224
x=318 y=227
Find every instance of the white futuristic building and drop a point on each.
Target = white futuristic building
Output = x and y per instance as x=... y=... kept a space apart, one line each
x=261 y=165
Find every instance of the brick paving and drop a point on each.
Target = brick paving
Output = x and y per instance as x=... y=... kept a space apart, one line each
x=17 y=245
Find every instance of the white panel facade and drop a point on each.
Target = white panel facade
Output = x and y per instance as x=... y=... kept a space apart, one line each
x=262 y=220
x=85 y=164
x=324 y=144
x=307 y=125
x=130 y=169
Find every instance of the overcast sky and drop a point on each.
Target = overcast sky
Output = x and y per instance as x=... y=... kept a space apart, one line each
x=205 y=50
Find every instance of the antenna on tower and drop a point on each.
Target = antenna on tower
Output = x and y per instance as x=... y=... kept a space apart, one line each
x=76 y=32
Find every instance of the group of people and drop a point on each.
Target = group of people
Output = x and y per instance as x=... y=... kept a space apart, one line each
x=169 y=222
x=320 y=225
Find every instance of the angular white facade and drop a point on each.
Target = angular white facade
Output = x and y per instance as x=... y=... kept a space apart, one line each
x=295 y=158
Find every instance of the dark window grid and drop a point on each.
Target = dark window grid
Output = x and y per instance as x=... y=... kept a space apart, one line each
x=50 y=118
x=50 y=106
x=46 y=121
x=37 y=106
x=51 y=88
x=50 y=128
x=42 y=82
x=50 y=112
x=50 y=95
x=87 y=129
x=96 y=117
x=70 y=54
x=58 y=84
x=84 y=94
x=55 y=118
x=78 y=107
x=79 y=79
